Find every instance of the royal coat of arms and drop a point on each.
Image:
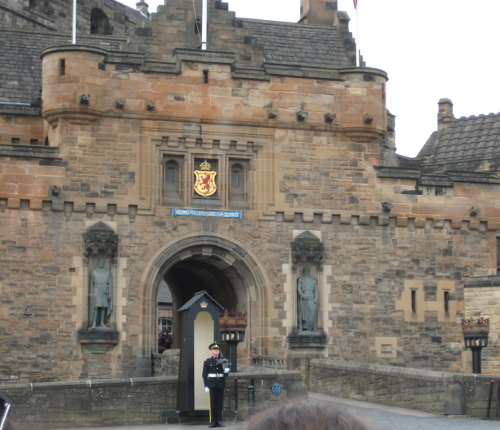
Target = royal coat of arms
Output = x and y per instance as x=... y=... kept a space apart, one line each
x=205 y=180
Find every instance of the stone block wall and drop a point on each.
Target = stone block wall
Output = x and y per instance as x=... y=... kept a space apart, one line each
x=424 y=390
x=58 y=15
x=138 y=401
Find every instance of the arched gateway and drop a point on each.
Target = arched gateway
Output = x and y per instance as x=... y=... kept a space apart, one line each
x=211 y=262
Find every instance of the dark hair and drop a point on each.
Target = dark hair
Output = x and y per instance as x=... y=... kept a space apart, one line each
x=306 y=415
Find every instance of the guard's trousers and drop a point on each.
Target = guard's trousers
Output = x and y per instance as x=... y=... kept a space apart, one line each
x=216 y=404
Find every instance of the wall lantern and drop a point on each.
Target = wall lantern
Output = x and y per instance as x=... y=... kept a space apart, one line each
x=232 y=331
x=475 y=333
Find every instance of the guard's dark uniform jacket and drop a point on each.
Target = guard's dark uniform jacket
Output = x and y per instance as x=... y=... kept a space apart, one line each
x=215 y=379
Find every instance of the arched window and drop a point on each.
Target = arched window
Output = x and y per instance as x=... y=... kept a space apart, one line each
x=237 y=183
x=99 y=22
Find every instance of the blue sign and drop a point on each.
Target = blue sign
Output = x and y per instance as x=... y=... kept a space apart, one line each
x=276 y=389
x=217 y=214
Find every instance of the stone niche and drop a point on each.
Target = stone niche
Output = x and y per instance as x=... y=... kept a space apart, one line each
x=100 y=253
x=308 y=252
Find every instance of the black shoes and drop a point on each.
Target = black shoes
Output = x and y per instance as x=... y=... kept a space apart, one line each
x=217 y=424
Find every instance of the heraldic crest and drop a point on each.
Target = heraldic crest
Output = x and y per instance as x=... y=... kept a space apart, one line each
x=205 y=180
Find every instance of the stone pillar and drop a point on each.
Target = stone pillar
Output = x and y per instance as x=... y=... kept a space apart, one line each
x=445 y=113
x=319 y=12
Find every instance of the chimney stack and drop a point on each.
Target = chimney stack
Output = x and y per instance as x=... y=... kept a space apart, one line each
x=142 y=7
x=319 y=12
x=445 y=113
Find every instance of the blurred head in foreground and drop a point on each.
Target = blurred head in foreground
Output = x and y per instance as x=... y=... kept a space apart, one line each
x=306 y=415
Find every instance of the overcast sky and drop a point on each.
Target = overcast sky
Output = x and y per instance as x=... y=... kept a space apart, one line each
x=431 y=49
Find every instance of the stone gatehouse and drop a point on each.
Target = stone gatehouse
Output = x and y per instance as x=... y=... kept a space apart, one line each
x=230 y=170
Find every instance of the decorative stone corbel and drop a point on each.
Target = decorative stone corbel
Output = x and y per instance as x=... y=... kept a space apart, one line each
x=474 y=211
x=151 y=104
x=387 y=206
x=84 y=99
x=330 y=117
x=368 y=118
x=272 y=113
x=120 y=103
x=55 y=190
x=301 y=115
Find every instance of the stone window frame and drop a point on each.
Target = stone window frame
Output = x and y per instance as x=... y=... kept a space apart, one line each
x=169 y=197
x=241 y=198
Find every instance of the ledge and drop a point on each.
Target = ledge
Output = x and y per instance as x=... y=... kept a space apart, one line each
x=73 y=48
x=29 y=151
x=483 y=282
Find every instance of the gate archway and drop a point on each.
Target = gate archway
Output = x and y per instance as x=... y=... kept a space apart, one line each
x=219 y=265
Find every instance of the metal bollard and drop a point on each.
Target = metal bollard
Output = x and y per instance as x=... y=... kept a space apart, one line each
x=490 y=398
x=251 y=398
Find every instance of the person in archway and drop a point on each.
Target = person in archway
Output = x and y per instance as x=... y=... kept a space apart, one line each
x=215 y=371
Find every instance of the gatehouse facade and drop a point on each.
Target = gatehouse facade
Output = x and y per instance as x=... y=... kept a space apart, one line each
x=231 y=170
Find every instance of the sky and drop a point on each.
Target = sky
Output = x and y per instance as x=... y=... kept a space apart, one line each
x=430 y=49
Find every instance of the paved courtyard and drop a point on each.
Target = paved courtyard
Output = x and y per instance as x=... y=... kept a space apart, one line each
x=378 y=416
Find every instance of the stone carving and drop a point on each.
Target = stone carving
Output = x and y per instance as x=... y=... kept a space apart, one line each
x=100 y=238
x=307 y=291
x=100 y=296
x=307 y=246
x=84 y=99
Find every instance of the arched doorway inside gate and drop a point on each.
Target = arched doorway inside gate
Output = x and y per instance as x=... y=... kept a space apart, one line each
x=195 y=274
x=230 y=274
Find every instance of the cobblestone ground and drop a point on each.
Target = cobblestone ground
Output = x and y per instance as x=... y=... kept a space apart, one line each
x=388 y=418
x=377 y=416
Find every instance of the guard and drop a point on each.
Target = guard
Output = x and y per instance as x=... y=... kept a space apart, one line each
x=215 y=370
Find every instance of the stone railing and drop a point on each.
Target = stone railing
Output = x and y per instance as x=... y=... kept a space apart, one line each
x=269 y=362
x=425 y=390
x=165 y=364
x=134 y=401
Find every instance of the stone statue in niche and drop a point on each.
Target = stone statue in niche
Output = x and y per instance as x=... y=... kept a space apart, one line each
x=307 y=290
x=100 y=296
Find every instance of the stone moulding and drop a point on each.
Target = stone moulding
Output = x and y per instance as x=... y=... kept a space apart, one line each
x=312 y=340
x=98 y=341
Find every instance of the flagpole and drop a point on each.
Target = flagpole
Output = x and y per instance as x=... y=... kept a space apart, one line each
x=74 y=22
x=204 y=26
x=358 y=51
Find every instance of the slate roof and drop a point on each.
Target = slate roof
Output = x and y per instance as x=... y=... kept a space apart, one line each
x=284 y=43
x=299 y=44
x=475 y=137
x=20 y=64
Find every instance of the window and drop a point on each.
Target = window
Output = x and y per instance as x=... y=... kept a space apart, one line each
x=447 y=303
x=99 y=22
x=197 y=26
x=172 y=179
x=237 y=183
x=62 y=67
x=414 y=301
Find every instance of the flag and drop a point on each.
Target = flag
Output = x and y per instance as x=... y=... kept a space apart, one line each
x=355 y=4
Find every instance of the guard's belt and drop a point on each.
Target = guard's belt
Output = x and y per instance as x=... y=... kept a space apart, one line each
x=216 y=375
